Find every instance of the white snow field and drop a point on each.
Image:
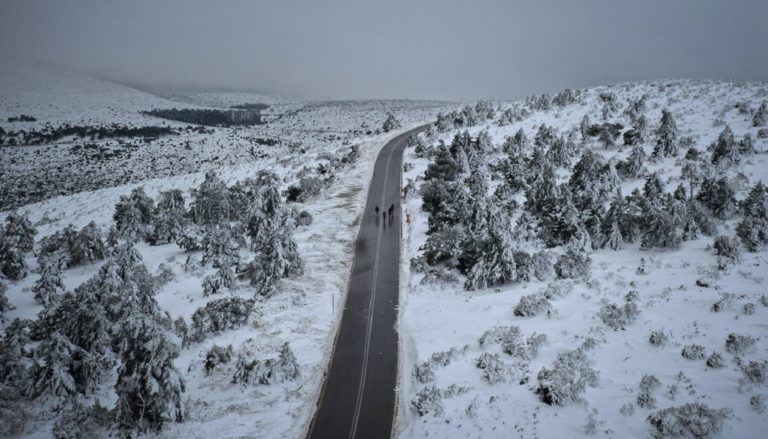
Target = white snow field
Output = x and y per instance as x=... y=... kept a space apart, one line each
x=305 y=310
x=680 y=292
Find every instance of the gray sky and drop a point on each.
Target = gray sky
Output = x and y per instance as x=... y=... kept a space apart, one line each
x=446 y=49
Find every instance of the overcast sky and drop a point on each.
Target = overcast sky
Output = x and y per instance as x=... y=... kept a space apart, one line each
x=391 y=49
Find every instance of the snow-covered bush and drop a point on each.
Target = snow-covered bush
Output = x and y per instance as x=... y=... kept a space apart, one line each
x=557 y=289
x=568 y=378
x=532 y=305
x=308 y=187
x=220 y=315
x=658 y=338
x=619 y=316
x=645 y=399
x=573 y=265
x=757 y=402
x=303 y=219
x=715 y=361
x=738 y=344
x=756 y=371
x=693 y=352
x=269 y=371
x=217 y=355
x=210 y=201
x=428 y=400
x=77 y=421
x=727 y=251
x=691 y=420
x=494 y=369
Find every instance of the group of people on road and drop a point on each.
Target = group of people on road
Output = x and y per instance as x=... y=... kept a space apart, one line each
x=384 y=212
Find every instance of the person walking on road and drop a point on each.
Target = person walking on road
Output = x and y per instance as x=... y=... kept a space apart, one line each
x=377 y=210
x=391 y=209
x=384 y=212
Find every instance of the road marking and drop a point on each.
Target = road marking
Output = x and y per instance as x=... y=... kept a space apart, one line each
x=371 y=304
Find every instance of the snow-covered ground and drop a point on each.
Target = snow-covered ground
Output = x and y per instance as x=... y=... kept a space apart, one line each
x=440 y=316
x=306 y=309
x=72 y=164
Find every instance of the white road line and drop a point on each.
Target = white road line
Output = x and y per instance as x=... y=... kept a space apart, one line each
x=371 y=305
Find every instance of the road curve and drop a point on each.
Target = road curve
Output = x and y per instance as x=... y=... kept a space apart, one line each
x=358 y=396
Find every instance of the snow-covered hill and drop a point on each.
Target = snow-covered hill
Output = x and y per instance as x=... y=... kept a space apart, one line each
x=73 y=164
x=497 y=343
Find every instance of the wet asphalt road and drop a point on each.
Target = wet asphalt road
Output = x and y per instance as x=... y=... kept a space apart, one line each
x=358 y=397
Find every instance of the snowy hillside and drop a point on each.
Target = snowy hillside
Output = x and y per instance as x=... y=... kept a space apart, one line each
x=587 y=264
x=152 y=290
x=39 y=163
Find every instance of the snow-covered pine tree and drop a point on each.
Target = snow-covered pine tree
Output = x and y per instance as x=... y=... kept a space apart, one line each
x=62 y=368
x=170 y=218
x=87 y=246
x=666 y=136
x=133 y=214
x=633 y=165
x=544 y=137
x=13 y=265
x=20 y=231
x=49 y=284
x=5 y=305
x=496 y=260
x=584 y=128
x=277 y=257
x=760 y=117
x=753 y=227
x=724 y=150
x=390 y=123
x=149 y=387
x=719 y=196
x=210 y=201
x=219 y=249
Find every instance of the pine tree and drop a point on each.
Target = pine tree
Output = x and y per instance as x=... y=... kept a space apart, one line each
x=5 y=305
x=276 y=257
x=133 y=215
x=633 y=165
x=87 y=246
x=49 y=283
x=149 y=387
x=666 y=136
x=725 y=150
x=584 y=128
x=20 y=231
x=13 y=265
x=718 y=196
x=613 y=239
x=753 y=228
x=390 y=123
x=210 y=201
x=170 y=218
x=219 y=248
x=62 y=368
x=760 y=117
